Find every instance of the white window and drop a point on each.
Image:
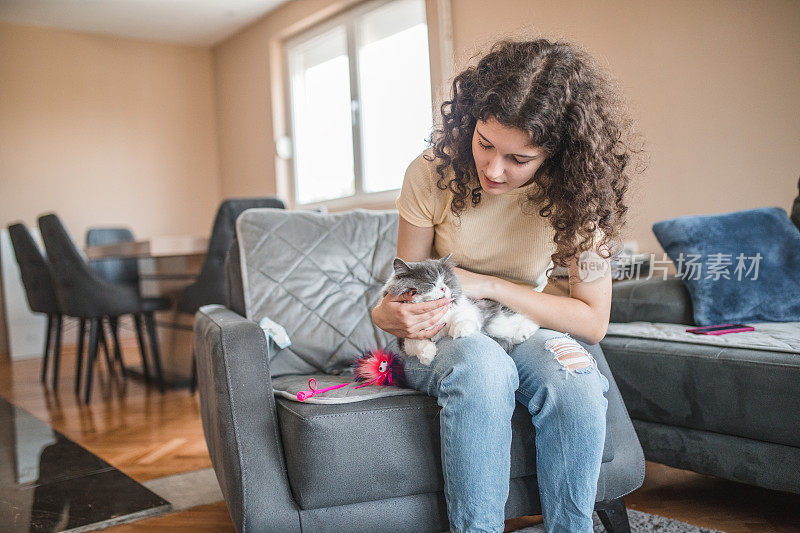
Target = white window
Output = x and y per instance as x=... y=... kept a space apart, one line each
x=360 y=92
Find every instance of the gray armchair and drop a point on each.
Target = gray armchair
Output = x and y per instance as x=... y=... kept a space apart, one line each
x=371 y=465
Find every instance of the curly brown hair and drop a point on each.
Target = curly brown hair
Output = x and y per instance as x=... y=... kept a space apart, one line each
x=557 y=94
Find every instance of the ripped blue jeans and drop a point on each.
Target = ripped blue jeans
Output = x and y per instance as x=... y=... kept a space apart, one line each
x=476 y=384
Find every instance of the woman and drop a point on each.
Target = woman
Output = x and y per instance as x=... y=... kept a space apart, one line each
x=528 y=171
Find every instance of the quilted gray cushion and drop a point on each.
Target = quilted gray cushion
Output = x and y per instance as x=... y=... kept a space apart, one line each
x=318 y=276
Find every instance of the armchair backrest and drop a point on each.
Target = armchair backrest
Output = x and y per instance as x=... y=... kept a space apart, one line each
x=234 y=293
x=317 y=275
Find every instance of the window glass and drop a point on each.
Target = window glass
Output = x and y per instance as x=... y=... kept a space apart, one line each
x=321 y=117
x=395 y=89
x=391 y=100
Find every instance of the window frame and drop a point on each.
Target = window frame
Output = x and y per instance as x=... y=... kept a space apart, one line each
x=348 y=20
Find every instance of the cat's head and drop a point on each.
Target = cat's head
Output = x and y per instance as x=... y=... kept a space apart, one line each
x=430 y=279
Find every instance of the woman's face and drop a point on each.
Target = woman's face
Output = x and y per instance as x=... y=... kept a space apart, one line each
x=504 y=157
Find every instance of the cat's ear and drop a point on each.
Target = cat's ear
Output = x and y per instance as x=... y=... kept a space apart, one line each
x=448 y=261
x=400 y=266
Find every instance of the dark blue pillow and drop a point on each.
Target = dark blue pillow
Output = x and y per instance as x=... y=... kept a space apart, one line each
x=757 y=250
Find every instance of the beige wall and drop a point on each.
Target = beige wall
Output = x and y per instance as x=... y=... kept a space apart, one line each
x=106 y=131
x=715 y=89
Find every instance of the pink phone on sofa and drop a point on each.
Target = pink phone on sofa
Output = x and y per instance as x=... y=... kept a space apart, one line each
x=721 y=329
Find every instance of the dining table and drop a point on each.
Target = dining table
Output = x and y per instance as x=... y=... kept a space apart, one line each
x=167 y=264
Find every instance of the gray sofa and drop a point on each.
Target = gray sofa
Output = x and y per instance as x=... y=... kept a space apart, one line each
x=730 y=412
x=371 y=465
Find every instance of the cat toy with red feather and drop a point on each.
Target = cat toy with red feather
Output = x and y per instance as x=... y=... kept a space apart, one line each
x=379 y=367
x=376 y=367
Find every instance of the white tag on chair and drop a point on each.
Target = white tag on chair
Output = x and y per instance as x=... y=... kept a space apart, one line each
x=275 y=331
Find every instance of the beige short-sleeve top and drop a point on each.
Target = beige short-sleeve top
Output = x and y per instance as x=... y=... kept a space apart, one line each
x=495 y=237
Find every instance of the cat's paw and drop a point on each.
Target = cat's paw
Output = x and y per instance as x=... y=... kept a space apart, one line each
x=426 y=359
x=463 y=328
x=424 y=349
x=524 y=329
x=428 y=351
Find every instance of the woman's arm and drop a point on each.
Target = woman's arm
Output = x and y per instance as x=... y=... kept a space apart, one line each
x=413 y=242
x=584 y=314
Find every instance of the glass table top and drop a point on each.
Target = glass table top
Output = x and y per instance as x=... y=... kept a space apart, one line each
x=50 y=483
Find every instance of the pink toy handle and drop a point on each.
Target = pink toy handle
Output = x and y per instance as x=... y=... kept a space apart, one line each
x=312 y=384
x=370 y=382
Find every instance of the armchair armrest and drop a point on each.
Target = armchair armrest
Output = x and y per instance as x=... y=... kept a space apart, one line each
x=240 y=421
x=651 y=300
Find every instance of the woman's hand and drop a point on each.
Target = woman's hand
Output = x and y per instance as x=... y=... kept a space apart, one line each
x=474 y=285
x=396 y=315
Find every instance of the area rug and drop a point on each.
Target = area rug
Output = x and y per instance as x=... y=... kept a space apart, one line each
x=188 y=490
x=640 y=522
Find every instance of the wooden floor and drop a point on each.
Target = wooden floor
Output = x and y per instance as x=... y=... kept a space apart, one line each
x=136 y=429
x=147 y=435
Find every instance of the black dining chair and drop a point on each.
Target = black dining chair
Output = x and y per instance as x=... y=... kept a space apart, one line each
x=84 y=294
x=209 y=288
x=39 y=291
x=123 y=271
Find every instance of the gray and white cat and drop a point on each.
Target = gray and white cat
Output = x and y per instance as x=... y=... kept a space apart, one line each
x=433 y=279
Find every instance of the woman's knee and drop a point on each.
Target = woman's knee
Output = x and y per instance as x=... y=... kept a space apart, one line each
x=571 y=354
x=478 y=365
x=555 y=367
x=580 y=397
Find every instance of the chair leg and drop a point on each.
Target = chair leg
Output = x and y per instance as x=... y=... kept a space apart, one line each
x=106 y=349
x=79 y=362
x=57 y=350
x=614 y=516
x=137 y=319
x=151 y=332
x=113 y=322
x=46 y=354
x=94 y=336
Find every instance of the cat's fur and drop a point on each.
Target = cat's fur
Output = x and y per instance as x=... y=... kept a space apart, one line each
x=433 y=279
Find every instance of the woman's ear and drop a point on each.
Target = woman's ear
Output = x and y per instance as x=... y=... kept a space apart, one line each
x=400 y=266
